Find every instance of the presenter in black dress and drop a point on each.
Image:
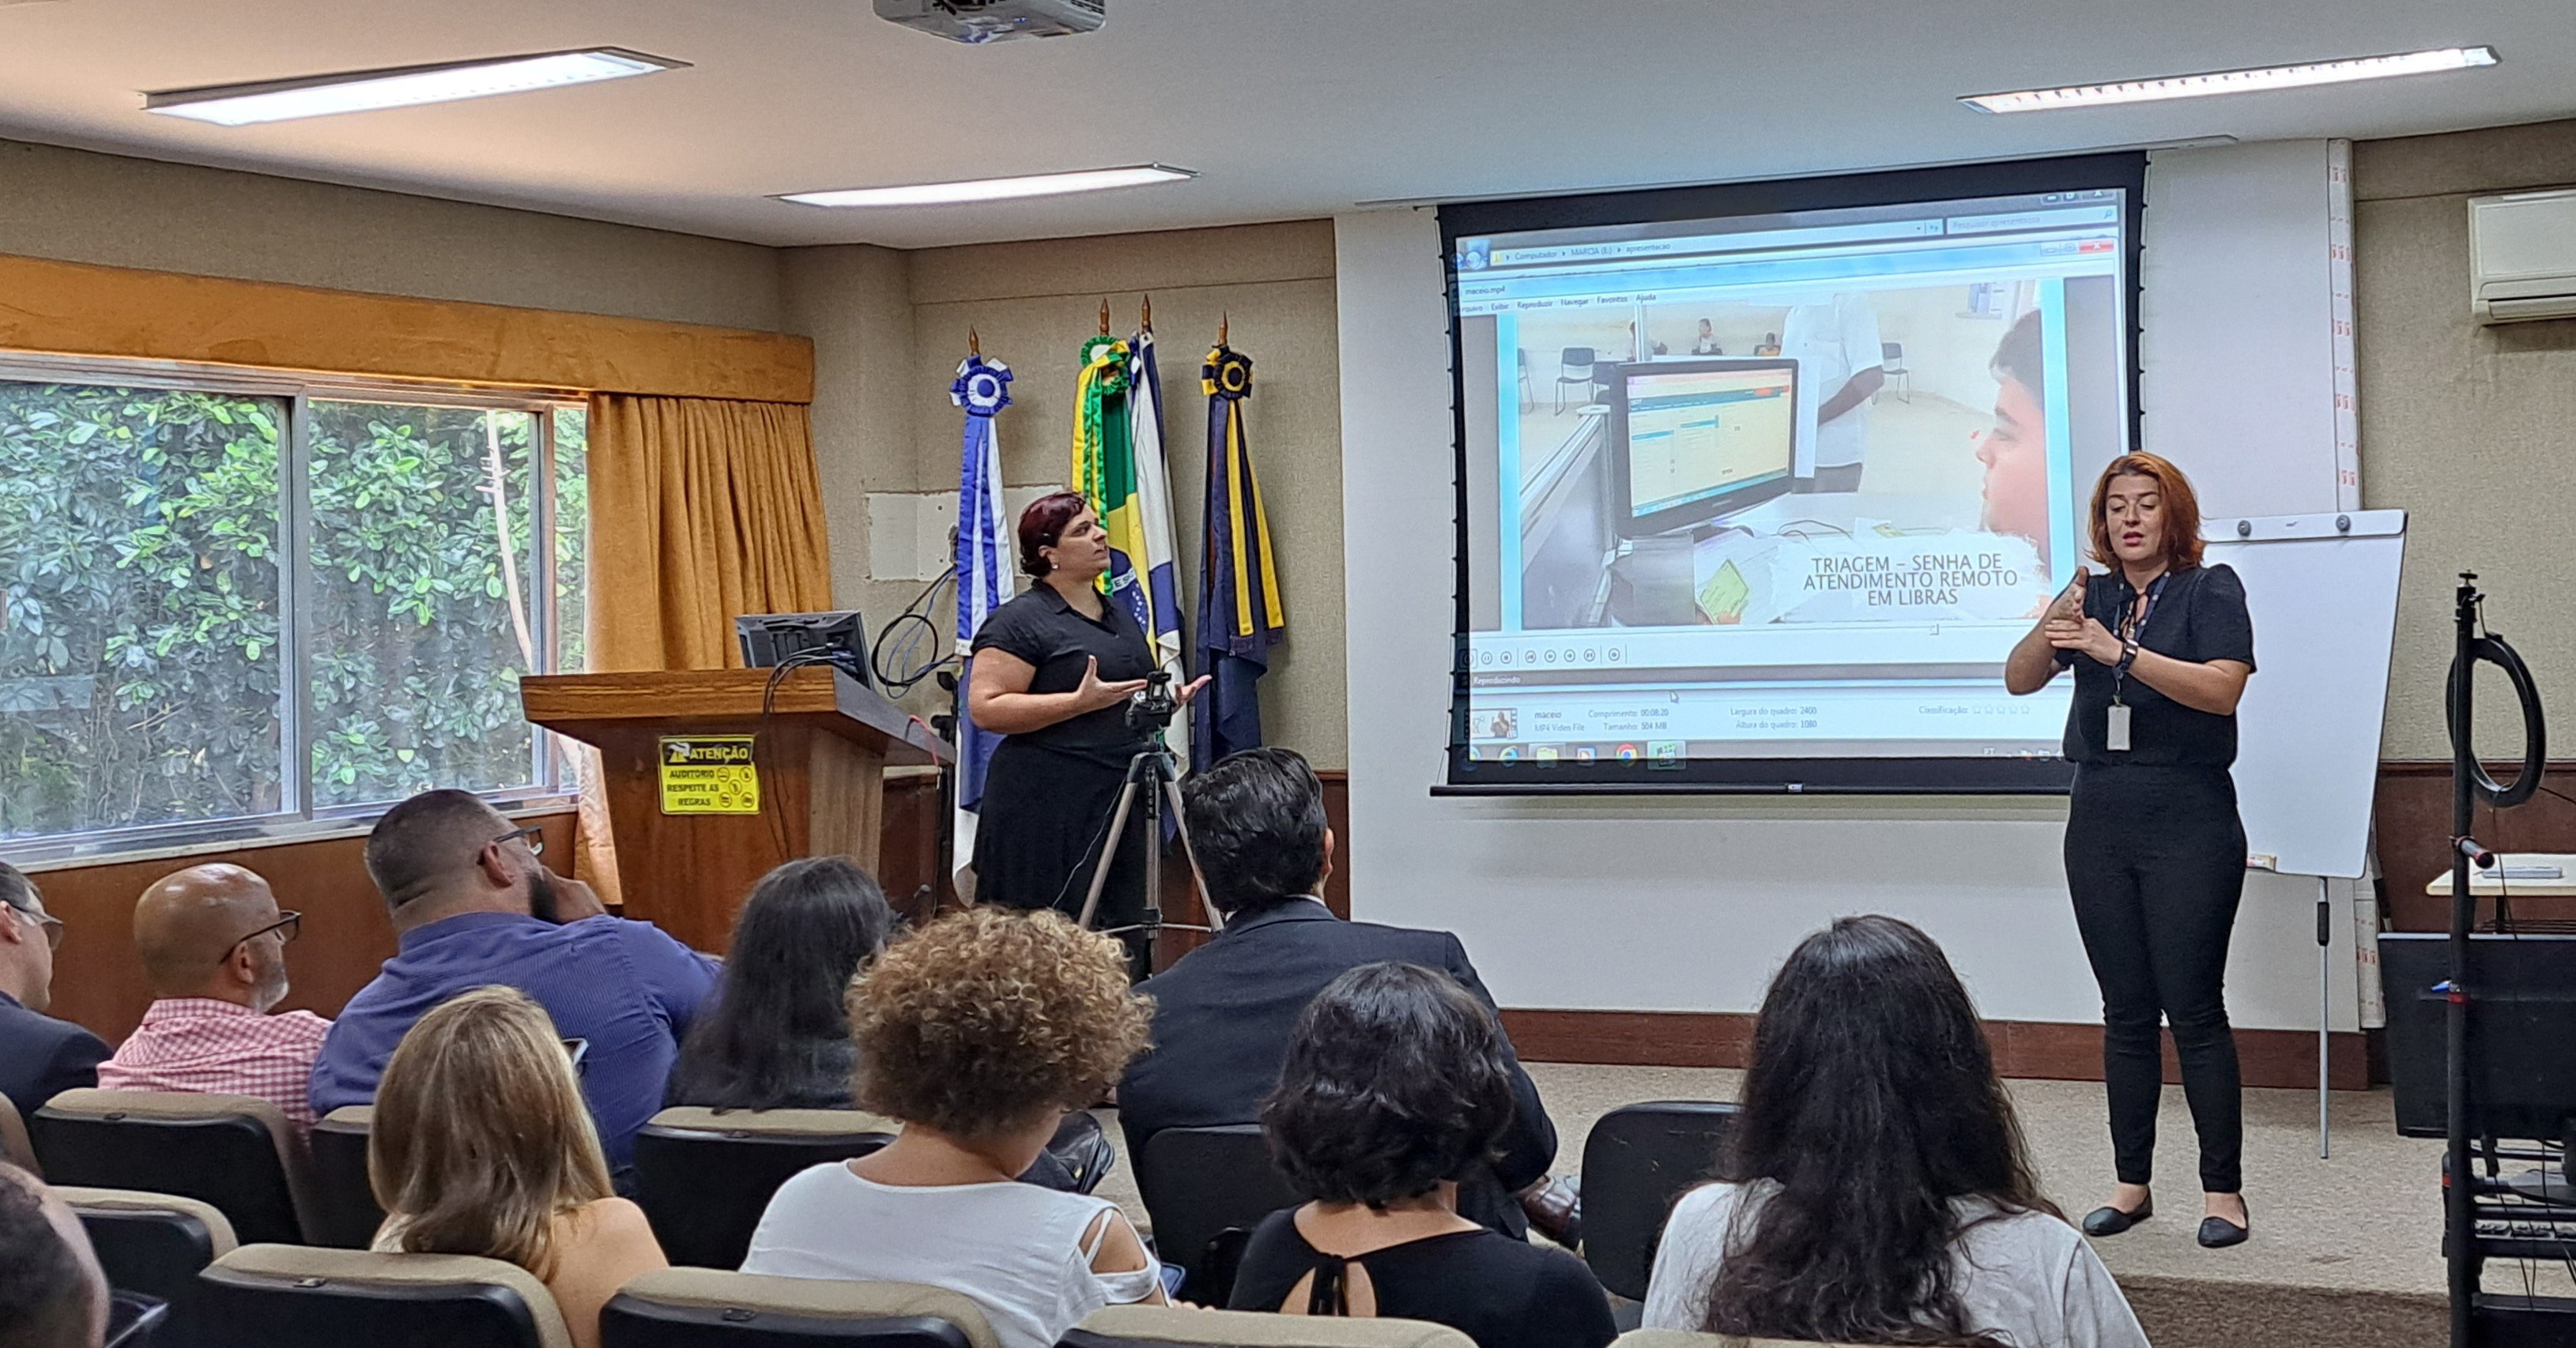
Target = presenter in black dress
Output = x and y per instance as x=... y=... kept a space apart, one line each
x=1054 y=669
x=2161 y=647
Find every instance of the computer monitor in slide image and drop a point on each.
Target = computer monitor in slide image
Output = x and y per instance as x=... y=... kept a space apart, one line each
x=1695 y=441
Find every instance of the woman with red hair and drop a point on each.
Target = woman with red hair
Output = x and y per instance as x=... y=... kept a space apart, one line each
x=1054 y=669
x=2161 y=647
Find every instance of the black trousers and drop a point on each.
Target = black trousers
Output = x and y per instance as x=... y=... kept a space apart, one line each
x=2155 y=859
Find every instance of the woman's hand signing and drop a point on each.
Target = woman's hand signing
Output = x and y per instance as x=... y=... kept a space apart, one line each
x=1094 y=694
x=2087 y=635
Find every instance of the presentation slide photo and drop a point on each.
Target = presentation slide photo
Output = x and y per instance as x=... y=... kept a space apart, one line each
x=1917 y=451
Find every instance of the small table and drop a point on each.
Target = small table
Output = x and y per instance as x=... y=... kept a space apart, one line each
x=2493 y=882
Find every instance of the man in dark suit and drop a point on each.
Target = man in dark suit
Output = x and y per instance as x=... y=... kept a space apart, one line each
x=1222 y=1016
x=40 y=1057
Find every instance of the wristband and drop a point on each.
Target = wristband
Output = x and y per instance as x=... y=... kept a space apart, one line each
x=2128 y=655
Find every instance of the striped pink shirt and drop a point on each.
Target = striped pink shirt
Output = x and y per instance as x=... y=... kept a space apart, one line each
x=212 y=1047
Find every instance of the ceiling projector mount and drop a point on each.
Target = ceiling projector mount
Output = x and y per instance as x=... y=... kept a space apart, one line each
x=977 y=22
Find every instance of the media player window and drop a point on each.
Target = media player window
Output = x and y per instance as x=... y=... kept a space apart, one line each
x=1781 y=486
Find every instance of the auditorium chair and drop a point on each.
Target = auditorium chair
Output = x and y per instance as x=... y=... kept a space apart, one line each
x=1205 y=1188
x=344 y=1212
x=291 y=1296
x=14 y=1146
x=708 y=1308
x=1636 y=1165
x=155 y=1244
x=1190 y=1327
x=232 y=1151
x=704 y=1176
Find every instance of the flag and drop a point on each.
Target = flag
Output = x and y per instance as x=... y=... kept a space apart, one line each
x=1240 y=617
x=983 y=388
x=1104 y=470
x=1161 y=557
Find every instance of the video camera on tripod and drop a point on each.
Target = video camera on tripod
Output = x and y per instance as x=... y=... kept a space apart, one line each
x=1152 y=707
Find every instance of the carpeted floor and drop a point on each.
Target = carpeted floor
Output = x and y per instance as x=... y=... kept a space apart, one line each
x=2346 y=1251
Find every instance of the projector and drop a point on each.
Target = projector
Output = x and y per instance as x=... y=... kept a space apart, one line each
x=976 y=22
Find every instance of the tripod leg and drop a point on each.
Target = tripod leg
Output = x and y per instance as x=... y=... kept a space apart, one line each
x=1108 y=854
x=1190 y=852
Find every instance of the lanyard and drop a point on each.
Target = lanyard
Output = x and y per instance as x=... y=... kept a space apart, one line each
x=2133 y=626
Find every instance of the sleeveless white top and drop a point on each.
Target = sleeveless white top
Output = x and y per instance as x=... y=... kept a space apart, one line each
x=1014 y=1249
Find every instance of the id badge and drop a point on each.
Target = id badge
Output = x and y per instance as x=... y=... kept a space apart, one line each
x=2115 y=734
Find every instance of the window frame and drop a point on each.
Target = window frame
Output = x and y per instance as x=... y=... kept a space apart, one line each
x=551 y=785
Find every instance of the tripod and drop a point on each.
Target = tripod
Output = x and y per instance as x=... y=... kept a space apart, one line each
x=1152 y=774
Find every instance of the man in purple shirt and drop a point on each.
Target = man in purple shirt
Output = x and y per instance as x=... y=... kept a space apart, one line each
x=472 y=907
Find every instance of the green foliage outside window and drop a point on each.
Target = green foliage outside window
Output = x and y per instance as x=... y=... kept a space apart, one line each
x=141 y=631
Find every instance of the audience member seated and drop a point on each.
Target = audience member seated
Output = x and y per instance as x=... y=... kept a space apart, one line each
x=473 y=906
x=1223 y=1014
x=978 y=1033
x=481 y=1146
x=1875 y=1188
x=213 y=944
x=1396 y=1085
x=777 y=1035
x=52 y=1294
x=40 y=1057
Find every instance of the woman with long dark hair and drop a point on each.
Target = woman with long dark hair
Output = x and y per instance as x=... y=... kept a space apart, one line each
x=778 y=1034
x=2161 y=647
x=1875 y=1188
x=1053 y=672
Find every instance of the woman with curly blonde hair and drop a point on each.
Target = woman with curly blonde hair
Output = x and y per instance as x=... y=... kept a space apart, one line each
x=516 y=1176
x=978 y=1033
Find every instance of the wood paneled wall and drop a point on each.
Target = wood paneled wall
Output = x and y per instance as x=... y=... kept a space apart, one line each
x=2413 y=818
x=346 y=935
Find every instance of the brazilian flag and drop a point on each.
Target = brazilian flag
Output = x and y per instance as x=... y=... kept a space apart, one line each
x=1104 y=470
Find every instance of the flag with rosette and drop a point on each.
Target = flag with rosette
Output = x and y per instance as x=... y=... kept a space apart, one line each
x=982 y=389
x=1240 y=615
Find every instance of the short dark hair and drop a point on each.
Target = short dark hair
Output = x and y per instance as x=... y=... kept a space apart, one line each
x=1396 y=1079
x=424 y=840
x=16 y=890
x=45 y=1295
x=1256 y=827
x=1042 y=523
x=2019 y=357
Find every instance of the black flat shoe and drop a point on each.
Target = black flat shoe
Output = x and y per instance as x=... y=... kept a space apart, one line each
x=2110 y=1221
x=2217 y=1233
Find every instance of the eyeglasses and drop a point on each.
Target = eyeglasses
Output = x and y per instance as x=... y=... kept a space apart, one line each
x=288 y=926
x=535 y=840
x=53 y=925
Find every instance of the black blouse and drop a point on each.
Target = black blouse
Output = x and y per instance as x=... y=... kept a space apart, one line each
x=1056 y=640
x=1503 y=1293
x=2200 y=616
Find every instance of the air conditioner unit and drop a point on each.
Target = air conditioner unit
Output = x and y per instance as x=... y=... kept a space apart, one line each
x=2522 y=256
x=976 y=22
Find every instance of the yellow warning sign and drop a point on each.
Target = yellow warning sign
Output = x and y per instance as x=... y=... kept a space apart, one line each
x=709 y=774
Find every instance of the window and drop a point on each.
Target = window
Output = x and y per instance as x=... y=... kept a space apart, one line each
x=229 y=603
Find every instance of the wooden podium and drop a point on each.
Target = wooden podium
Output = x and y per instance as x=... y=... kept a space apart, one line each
x=688 y=846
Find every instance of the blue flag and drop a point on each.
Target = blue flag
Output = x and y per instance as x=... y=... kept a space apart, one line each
x=1240 y=617
x=983 y=388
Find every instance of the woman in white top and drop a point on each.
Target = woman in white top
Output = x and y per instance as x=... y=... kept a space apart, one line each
x=978 y=1033
x=1875 y=1188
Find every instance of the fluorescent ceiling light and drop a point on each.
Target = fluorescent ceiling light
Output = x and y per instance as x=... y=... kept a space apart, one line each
x=994 y=189
x=2235 y=81
x=401 y=86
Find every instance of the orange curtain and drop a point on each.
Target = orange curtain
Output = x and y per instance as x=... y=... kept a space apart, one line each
x=700 y=510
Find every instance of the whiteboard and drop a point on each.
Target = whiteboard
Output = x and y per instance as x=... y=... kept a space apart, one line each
x=2324 y=603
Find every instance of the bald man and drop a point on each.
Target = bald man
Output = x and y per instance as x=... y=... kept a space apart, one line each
x=213 y=944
